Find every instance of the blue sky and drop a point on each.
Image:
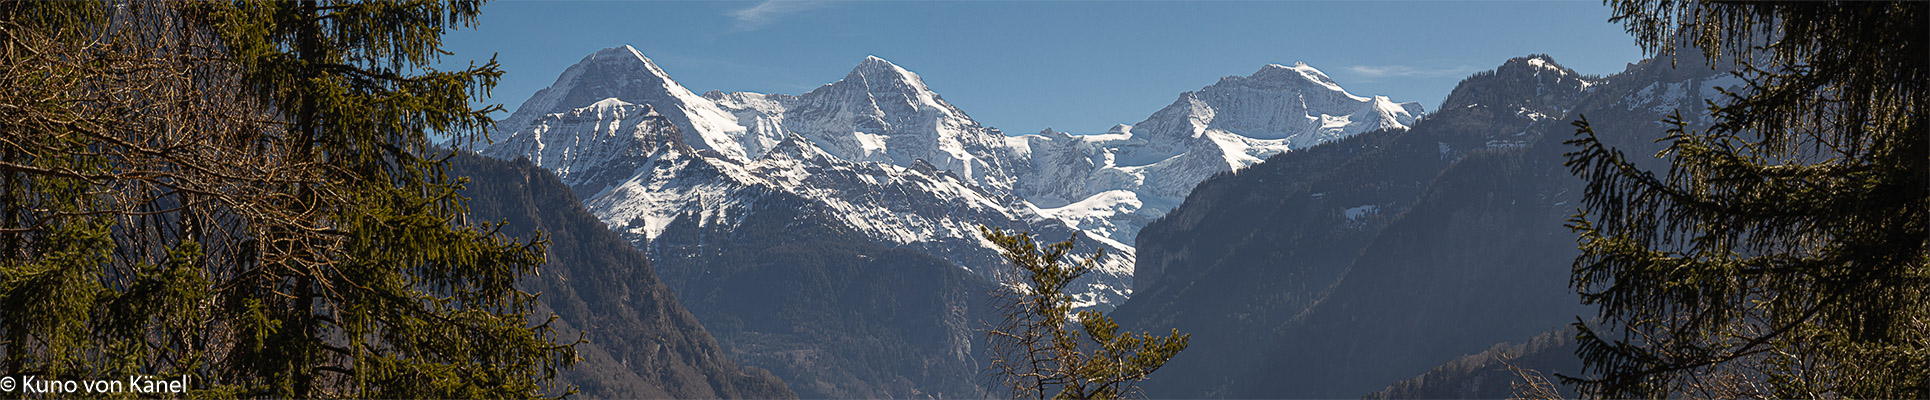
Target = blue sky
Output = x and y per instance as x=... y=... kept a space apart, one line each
x=1076 y=66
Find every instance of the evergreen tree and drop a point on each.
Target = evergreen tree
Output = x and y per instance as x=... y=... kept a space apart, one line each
x=1786 y=251
x=243 y=193
x=1036 y=352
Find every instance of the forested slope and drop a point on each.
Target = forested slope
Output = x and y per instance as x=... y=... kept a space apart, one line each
x=1336 y=270
x=642 y=342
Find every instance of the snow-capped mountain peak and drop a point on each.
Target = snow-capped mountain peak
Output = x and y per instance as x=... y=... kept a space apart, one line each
x=890 y=158
x=1135 y=173
x=878 y=67
x=881 y=112
x=626 y=55
x=625 y=74
x=1297 y=106
x=1300 y=72
x=889 y=85
x=591 y=146
x=874 y=67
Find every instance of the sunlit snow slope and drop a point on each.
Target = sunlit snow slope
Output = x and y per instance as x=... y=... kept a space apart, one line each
x=900 y=164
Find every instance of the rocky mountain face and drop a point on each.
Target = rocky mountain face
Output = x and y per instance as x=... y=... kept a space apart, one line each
x=897 y=163
x=852 y=277
x=768 y=213
x=642 y=342
x=1336 y=270
x=909 y=169
x=788 y=278
x=883 y=113
x=623 y=73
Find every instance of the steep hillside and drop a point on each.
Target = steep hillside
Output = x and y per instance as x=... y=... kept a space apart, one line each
x=838 y=316
x=642 y=342
x=1500 y=372
x=1480 y=258
x=1452 y=249
x=1250 y=252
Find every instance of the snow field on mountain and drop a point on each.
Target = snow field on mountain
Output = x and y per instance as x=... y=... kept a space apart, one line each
x=890 y=158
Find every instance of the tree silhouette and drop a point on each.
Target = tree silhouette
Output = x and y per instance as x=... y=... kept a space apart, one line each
x=1786 y=250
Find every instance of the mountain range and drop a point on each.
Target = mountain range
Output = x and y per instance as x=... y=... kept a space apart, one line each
x=1317 y=243
x=906 y=167
x=717 y=185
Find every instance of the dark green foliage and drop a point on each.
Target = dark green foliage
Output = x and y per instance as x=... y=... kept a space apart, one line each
x=1786 y=250
x=1035 y=351
x=62 y=314
x=242 y=193
x=641 y=341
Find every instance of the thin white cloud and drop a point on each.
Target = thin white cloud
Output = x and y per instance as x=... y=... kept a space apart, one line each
x=749 y=19
x=1405 y=71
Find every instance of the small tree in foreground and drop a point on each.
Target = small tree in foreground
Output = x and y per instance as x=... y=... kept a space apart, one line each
x=1036 y=352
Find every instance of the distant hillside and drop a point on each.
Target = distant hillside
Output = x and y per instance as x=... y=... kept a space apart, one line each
x=792 y=289
x=643 y=344
x=1336 y=270
x=1486 y=375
